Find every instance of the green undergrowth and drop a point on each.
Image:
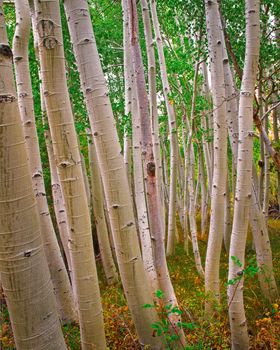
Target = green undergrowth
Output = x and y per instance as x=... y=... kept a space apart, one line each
x=263 y=318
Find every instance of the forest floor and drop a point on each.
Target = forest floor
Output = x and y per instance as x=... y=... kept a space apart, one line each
x=263 y=318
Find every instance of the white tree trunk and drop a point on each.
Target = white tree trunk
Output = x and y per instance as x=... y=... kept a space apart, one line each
x=99 y=215
x=204 y=199
x=172 y=131
x=215 y=240
x=243 y=194
x=153 y=201
x=139 y=184
x=140 y=200
x=127 y=158
x=153 y=102
x=192 y=216
x=227 y=222
x=68 y=160
x=112 y=169
x=58 y=203
x=59 y=276
x=24 y=271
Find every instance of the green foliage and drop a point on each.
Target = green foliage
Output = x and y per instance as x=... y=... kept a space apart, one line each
x=165 y=328
x=249 y=271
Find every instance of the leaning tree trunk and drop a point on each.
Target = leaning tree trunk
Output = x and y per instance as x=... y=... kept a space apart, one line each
x=149 y=169
x=140 y=199
x=172 y=132
x=243 y=194
x=276 y=121
x=23 y=267
x=112 y=169
x=215 y=240
x=139 y=183
x=58 y=203
x=190 y=165
x=99 y=215
x=59 y=276
x=257 y=222
x=153 y=102
x=68 y=160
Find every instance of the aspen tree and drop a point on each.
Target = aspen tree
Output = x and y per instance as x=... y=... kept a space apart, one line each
x=127 y=157
x=218 y=191
x=204 y=204
x=257 y=222
x=148 y=159
x=190 y=165
x=172 y=131
x=206 y=123
x=58 y=203
x=68 y=160
x=262 y=246
x=60 y=279
x=140 y=199
x=112 y=169
x=243 y=194
x=24 y=271
x=139 y=185
x=99 y=215
x=153 y=102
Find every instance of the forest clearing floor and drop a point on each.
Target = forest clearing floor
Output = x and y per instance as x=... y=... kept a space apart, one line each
x=263 y=318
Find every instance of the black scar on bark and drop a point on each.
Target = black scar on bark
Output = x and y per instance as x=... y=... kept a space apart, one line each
x=6 y=51
x=151 y=168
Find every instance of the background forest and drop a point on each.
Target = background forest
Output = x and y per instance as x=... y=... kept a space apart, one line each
x=139 y=174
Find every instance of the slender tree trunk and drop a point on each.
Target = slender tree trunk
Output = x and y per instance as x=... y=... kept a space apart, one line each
x=257 y=222
x=227 y=222
x=58 y=203
x=172 y=131
x=68 y=160
x=192 y=218
x=186 y=198
x=266 y=190
x=139 y=183
x=153 y=101
x=112 y=169
x=85 y=176
x=212 y=264
x=59 y=276
x=140 y=199
x=24 y=271
x=276 y=121
x=99 y=216
x=191 y=178
x=149 y=169
x=243 y=194
x=204 y=204
x=127 y=158
x=207 y=125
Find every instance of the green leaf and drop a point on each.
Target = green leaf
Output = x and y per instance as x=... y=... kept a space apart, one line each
x=236 y=261
x=159 y=294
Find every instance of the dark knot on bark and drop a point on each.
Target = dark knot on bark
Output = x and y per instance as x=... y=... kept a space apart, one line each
x=151 y=168
x=6 y=51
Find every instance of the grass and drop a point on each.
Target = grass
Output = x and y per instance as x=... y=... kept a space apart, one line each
x=263 y=318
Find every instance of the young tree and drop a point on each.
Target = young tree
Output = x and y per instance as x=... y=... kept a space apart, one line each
x=99 y=216
x=149 y=167
x=23 y=267
x=139 y=182
x=172 y=131
x=243 y=193
x=218 y=191
x=68 y=160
